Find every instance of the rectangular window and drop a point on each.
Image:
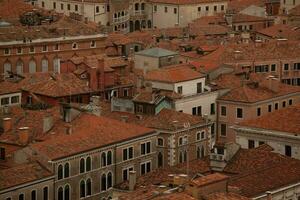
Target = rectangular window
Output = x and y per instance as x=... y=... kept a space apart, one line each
x=179 y=89
x=194 y=110
x=199 y=9
x=283 y=104
x=19 y=50
x=126 y=173
x=56 y=47
x=45 y=48
x=125 y=154
x=155 y=8
x=223 y=111
x=97 y=9
x=76 y=8
x=61 y=6
x=291 y=102
x=15 y=99
x=286 y=66
x=175 y=10
x=2 y=153
x=43 y=4
x=212 y=129
x=222 y=7
x=269 y=108
x=239 y=113
x=288 y=150
x=54 y=5
x=273 y=67
x=199 y=87
x=276 y=106
x=6 y=51
x=212 y=109
x=5 y=101
x=215 y=8
x=199 y=111
x=223 y=130
x=251 y=144
x=145 y=148
x=31 y=49
x=145 y=167
x=207 y=8
x=258 y=111
x=69 y=7
x=166 y=9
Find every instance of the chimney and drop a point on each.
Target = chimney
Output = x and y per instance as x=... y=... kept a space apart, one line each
x=24 y=135
x=269 y=195
x=132 y=180
x=93 y=81
x=7 y=124
x=102 y=74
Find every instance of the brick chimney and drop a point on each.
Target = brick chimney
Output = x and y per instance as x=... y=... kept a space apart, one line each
x=132 y=180
x=7 y=124
x=269 y=195
x=24 y=135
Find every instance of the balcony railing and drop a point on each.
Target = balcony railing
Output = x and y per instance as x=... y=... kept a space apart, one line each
x=217 y=157
x=121 y=19
x=138 y=12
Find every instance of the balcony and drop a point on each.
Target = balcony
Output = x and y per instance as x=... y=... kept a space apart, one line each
x=138 y=12
x=217 y=157
x=121 y=19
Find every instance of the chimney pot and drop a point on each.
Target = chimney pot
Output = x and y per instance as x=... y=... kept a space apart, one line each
x=132 y=180
x=7 y=124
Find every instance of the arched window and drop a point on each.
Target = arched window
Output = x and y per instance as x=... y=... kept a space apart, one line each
x=180 y=142
x=160 y=142
x=19 y=67
x=82 y=165
x=67 y=170
x=44 y=65
x=103 y=159
x=67 y=192
x=103 y=182
x=32 y=66
x=88 y=164
x=198 y=136
x=60 y=172
x=82 y=188
x=33 y=195
x=60 y=193
x=109 y=158
x=136 y=6
x=88 y=187
x=109 y=180
x=7 y=67
x=45 y=193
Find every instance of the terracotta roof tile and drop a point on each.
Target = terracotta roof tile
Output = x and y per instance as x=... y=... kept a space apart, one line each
x=182 y=2
x=281 y=31
x=209 y=179
x=225 y=196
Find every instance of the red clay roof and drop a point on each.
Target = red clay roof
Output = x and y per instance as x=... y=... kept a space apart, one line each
x=21 y=174
x=89 y=132
x=209 y=179
x=173 y=74
x=182 y=2
x=225 y=196
x=281 y=31
x=285 y=120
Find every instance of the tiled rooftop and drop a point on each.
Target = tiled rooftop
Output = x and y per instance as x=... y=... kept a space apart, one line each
x=209 y=179
x=156 y=52
x=284 y=120
x=281 y=31
x=182 y=2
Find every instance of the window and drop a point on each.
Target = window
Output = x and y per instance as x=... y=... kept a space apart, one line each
x=207 y=8
x=88 y=187
x=33 y=195
x=43 y=4
x=45 y=193
x=288 y=150
x=283 y=104
x=19 y=50
x=180 y=141
x=97 y=9
x=56 y=47
x=82 y=189
x=61 y=6
x=74 y=45
x=223 y=111
x=200 y=135
x=125 y=92
x=44 y=65
x=179 y=89
x=69 y=7
x=291 y=102
x=109 y=180
x=109 y=158
x=60 y=172
x=126 y=173
x=2 y=153
x=88 y=163
x=175 y=10
x=67 y=192
x=286 y=66
x=223 y=129
x=199 y=9
x=251 y=144
x=258 y=111
x=82 y=165
x=261 y=143
x=212 y=109
x=108 y=8
x=215 y=8
x=19 y=67
x=200 y=152
x=155 y=8
x=199 y=87
x=160 y=142
x=222 y=7
x=127 y=153
x=6 y=51
x=212 y=129
x=66 y=170
x=60 y=193
x=145 y=148
x=145 y=167
x=199 y=111
x=45 y=48
x=166 y=9
x=21 y=197
x=194 y=110
x=182 y=156
x=270 y=108
x=31 y=49
x=276 y=106
x=273 y=67
x=239 y=113
x=93 y=44
x=76 y=8
x=5 y=101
